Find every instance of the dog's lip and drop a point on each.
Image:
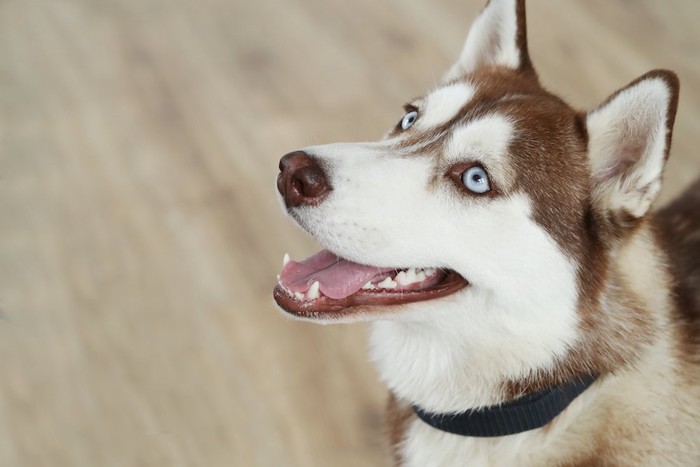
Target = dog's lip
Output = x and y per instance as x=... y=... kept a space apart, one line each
x=325 y=307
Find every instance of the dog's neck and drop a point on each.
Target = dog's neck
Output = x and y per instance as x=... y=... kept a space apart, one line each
x=488 y=355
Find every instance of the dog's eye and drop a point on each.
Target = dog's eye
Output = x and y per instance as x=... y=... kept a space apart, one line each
x=408 y=120
x=476 y=180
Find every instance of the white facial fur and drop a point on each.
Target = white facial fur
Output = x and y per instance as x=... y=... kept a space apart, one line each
x=518 y=314
x=389 y=208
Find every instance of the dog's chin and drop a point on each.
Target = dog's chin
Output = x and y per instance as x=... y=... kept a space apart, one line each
x=372 y=301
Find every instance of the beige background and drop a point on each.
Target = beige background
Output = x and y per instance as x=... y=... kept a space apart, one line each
x=140 y=236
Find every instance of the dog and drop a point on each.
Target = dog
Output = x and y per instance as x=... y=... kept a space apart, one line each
x=527 y=305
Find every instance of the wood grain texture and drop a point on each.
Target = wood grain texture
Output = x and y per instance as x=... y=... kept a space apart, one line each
x=140 y=235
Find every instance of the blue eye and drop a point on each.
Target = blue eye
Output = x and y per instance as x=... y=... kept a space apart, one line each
x=408 y=120
x=476 y=180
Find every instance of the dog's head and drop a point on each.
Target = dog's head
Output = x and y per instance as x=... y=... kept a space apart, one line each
x=490 y=208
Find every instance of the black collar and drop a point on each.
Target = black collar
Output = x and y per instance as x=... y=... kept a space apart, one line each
x=525 y=413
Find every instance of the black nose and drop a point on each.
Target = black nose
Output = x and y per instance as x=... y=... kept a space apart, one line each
x=301 y=180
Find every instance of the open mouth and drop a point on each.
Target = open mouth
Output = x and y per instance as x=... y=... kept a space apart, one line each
x=325 y=284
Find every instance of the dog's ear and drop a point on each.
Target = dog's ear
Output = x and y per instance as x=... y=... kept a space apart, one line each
x=498 y=37
x=629 y=140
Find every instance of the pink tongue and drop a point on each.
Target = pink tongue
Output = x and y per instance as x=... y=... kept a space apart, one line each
x=338 y=278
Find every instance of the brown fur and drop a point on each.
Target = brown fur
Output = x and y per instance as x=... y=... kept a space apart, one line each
x=678 y=227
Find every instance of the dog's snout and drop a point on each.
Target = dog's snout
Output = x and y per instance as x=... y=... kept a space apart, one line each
x=301 y=180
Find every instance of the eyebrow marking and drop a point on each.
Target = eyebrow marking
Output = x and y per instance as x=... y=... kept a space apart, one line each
x=444 y=103
x=487 y=137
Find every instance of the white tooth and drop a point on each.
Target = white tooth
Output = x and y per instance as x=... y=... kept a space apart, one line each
x=285 y=259
x=411 y=275
x=387 y=284
x=368 y=286
x=278 y=277
x=420 y=277
x=299 y=296
x=313 y=293
x=430 y=271
x=402 y=278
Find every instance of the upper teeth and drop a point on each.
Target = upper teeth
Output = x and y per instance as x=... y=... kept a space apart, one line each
x=410 y=276
x=406 y=277
x=413 y=275
x=285 y=259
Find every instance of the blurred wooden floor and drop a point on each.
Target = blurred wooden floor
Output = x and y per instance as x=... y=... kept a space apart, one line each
x=140 y=236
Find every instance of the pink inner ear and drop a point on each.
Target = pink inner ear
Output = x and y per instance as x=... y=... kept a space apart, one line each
x=625 y=156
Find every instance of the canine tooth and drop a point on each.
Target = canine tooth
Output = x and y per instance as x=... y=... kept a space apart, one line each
x=368 y=286
x=285 y=259
x=387 y=283
x=299 y=295
x=313 y=293
x=278 y=277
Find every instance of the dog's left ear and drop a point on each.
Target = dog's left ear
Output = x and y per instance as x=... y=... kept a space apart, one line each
x=629 y=141
x=498 y=37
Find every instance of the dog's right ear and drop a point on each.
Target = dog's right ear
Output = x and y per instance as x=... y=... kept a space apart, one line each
x=498 y=37
x=629 y=140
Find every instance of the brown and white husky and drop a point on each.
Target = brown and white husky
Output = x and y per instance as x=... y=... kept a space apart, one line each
x=502 y=246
